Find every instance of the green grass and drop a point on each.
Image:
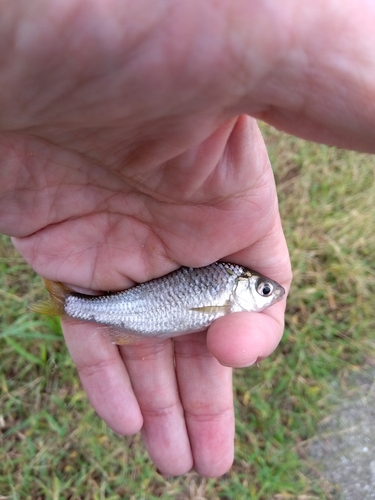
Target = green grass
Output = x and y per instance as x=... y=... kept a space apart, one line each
x=53 y=446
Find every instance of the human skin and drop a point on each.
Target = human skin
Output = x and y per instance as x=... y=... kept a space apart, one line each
x=126 y=152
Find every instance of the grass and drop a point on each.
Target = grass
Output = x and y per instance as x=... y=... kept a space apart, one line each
x=53 y=446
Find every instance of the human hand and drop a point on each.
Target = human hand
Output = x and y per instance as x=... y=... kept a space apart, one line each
x=95 y=217
x=153 y=76
x=122 y=159
x=104 y=185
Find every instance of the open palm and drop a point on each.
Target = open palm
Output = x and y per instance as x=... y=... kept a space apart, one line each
x=107 y=179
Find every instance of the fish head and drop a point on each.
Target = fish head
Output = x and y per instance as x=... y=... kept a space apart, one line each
x=255 y=292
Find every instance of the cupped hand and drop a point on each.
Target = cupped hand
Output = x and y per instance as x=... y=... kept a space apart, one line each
x=116 y=168
x=124 y=155
x=98 y=228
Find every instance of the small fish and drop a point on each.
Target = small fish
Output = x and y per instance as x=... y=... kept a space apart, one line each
x=187 y=300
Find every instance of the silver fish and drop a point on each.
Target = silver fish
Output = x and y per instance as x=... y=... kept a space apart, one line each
x=185 y=301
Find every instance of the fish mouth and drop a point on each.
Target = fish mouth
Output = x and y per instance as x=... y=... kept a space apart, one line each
x=279 y=293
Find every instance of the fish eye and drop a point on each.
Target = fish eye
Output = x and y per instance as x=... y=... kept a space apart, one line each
x=265 y=288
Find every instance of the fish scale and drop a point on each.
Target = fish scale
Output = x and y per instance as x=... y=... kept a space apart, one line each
x=185 y=301
x=150 y=308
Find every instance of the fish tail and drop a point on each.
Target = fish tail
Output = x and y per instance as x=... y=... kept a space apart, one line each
x=54 y=305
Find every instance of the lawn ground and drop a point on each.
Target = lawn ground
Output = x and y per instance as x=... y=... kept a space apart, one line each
x=53 y=446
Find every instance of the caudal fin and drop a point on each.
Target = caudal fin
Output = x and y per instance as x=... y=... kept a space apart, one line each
x=54 y=306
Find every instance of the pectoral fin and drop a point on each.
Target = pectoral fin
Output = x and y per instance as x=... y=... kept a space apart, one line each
x=211 y=309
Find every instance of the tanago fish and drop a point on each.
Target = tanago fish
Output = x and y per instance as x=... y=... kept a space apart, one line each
x=187 y=300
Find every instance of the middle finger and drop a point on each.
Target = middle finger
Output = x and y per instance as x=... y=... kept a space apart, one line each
x=151 y=368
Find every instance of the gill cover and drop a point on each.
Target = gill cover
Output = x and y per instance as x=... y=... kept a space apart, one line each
x=254 y=292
